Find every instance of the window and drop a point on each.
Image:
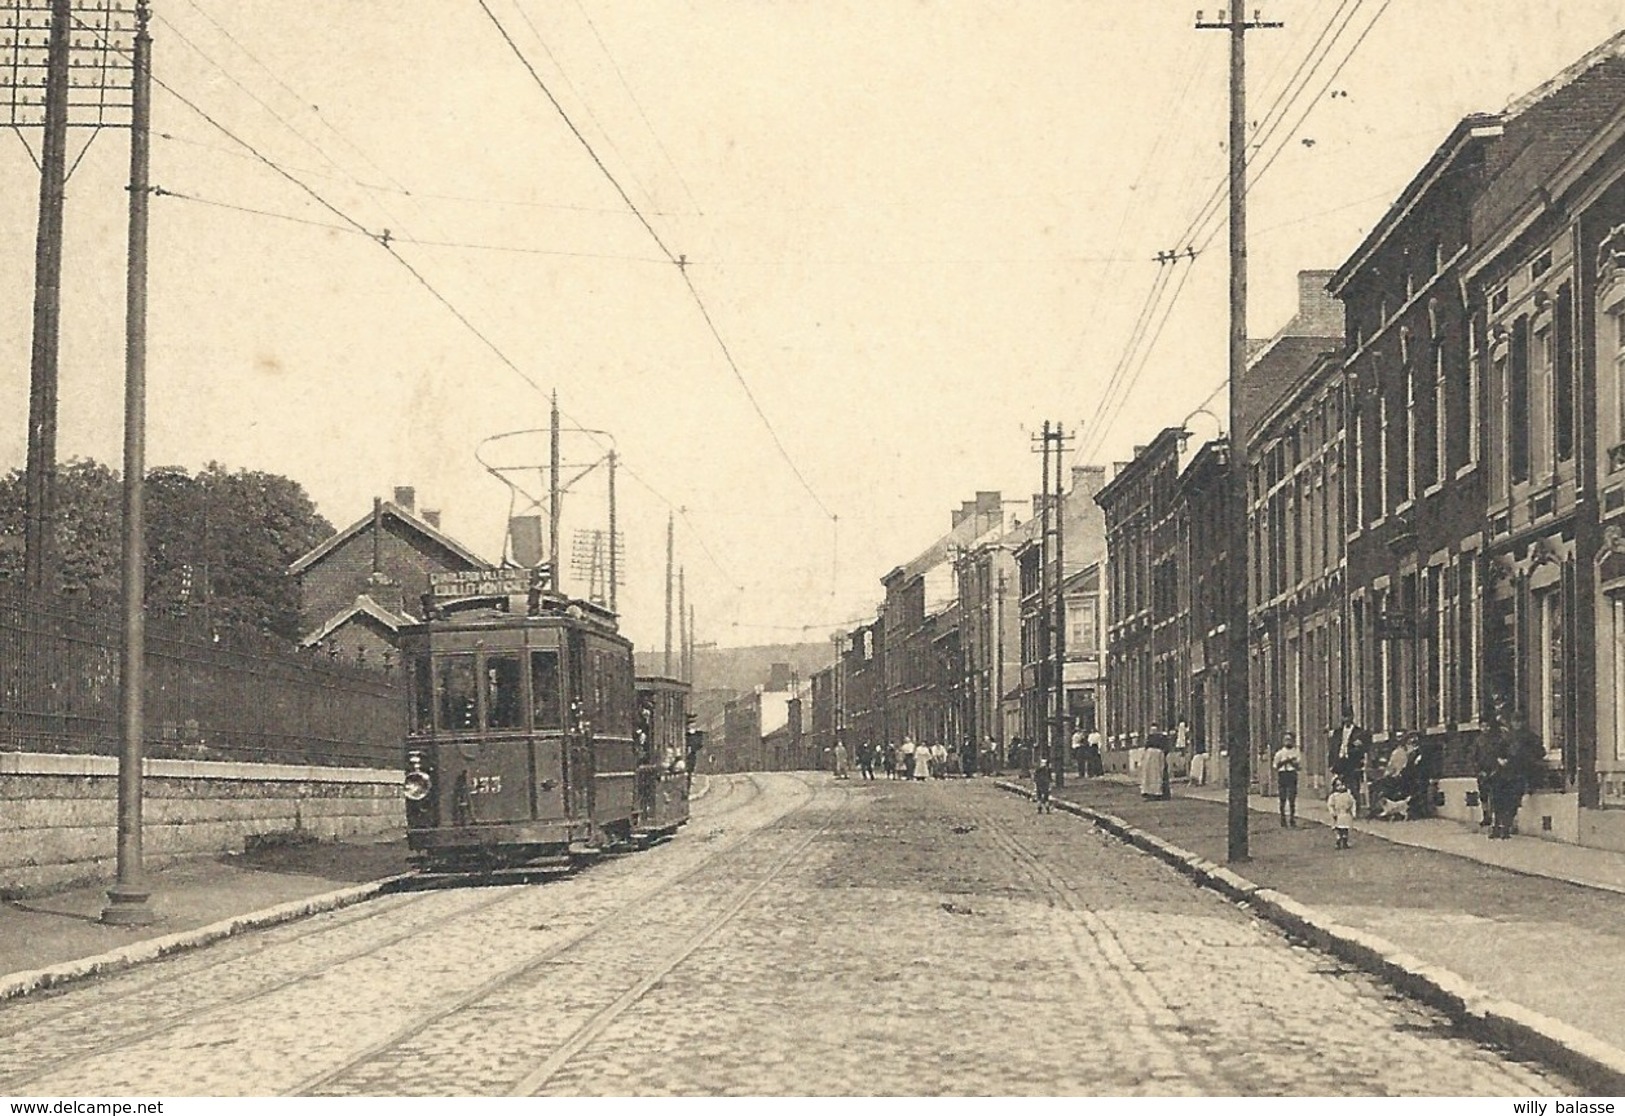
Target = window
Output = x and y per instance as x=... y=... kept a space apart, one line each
x=1383 y=679
x=1616 y=611
x=1614 y=361
x=1356 y=489
x=422 y=677
x=455 y=694
x=502 y=698
x=1563 y=372
x=1475 y=372
x=1540 y=407
x=1384 y=451
x=1518 y=424
x=1471 y=616
x=1430 y=628
x=546 y=703
x=1440 y=466
x=1082 y=636
x=1546 y=672
x=1407 y=472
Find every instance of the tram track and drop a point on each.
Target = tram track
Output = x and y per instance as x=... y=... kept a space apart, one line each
x=600 y=1022
x=535 y=963
x=1156 y=1018
x=65 y=1024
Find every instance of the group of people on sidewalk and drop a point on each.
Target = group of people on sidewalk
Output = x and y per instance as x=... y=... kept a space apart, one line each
x=1508 y=760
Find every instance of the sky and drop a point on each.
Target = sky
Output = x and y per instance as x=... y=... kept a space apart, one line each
x=919 y=230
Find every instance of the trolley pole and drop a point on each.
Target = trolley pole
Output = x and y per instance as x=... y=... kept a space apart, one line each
x=556 y=571
x=39 y=529
x=127 y=898
x=671 y=529
x=1239 y=737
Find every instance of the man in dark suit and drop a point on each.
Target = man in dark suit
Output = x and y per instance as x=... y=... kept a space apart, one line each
x=1346 y=752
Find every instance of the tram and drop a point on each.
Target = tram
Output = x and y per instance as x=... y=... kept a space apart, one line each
x=524 y=746
x=667 y=752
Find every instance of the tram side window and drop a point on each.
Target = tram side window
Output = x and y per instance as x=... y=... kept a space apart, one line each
x=544 y=689
x=455 y=691
x=422 y=694
x=502 y=699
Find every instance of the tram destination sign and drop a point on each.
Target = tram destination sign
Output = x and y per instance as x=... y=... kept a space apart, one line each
x=485 y=583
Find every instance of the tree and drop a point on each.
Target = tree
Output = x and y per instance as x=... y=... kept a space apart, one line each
x=218 y=542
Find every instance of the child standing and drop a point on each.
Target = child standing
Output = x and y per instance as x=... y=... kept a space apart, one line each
x=1342 y=806
x=1041 y=783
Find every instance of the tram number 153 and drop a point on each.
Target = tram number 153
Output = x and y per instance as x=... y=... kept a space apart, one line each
x=485 y=784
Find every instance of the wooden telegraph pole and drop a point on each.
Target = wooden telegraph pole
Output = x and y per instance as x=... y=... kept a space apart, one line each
x=555 y=577
x=1238 y=735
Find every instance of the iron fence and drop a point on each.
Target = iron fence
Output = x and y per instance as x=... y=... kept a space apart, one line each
x=209 y=694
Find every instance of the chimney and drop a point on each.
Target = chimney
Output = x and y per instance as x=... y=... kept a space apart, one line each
x=989 y=509
x=778 y=678
x=431 y=516
x=1319 y=314
x=1088 y=479
x=406 y=497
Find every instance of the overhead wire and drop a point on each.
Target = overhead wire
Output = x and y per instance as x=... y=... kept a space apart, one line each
x=681 y=262
x=349 y=223
x=1290 y=96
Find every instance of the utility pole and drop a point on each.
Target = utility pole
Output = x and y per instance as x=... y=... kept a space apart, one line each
x=127 y=898
x=682 y=623
x=1058 y=729
x=1236 y=688
x=1044 y=614
x=556 y=575
x=670 y=551
x=39 y=530
x=689 y=675
x=614 y=562
x=998 y=669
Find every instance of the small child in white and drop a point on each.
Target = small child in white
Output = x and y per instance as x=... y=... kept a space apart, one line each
x=1342 y=806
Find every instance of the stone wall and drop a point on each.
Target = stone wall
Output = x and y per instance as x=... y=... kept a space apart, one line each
x=58 y=813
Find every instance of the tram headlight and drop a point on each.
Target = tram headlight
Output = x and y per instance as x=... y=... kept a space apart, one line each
x=417 y=782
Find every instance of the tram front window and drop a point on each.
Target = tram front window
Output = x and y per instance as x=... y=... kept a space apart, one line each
x=422 y=694
x=455 y=691
x=544 y=689
x=502 y=701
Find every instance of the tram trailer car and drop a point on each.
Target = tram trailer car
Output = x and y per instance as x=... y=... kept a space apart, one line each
x=521 y=746
x=664 y=757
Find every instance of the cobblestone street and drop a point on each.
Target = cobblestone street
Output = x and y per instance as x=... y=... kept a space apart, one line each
x=800 y=936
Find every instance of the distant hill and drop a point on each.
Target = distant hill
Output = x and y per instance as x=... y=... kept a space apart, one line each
x=744 y=668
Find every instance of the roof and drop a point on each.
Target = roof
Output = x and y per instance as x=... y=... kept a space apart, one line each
x=1158 y=447
x=1317 y=372
x=1468 y=133
x=1276 y=369
x=364 y=606
x=1543 y=131
x=411 y=522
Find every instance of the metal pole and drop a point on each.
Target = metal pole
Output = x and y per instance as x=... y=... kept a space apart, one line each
x=1236 y=689
x=671 y=527
x=127 y=898
x=39 y=529
x=998 y=671
x=614 y=568
x=682 y=624
x=556 y=566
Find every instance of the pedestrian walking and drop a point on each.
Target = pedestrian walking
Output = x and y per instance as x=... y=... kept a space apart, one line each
x=1287 y=762
x=840 y=760
x=866 y=760
x=1154 y=765
x=1342 y=807
x=990 y=757
x=911 y=758
x=1041 y=785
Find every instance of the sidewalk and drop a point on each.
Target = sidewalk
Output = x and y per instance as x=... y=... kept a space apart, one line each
x=59 y=936
x=1537 y=923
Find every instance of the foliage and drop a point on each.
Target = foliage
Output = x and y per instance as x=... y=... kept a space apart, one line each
x=218 y=542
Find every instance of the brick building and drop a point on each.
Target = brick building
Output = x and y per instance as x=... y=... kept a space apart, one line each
x=361 y=584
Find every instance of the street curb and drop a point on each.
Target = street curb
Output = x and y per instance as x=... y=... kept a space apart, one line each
x=14 y=985
x=1595 y=1064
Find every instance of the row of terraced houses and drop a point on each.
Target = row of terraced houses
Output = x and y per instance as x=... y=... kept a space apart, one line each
x=1436 y=508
